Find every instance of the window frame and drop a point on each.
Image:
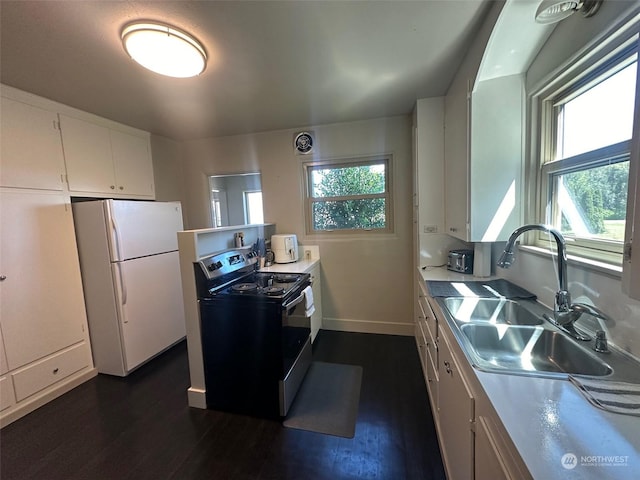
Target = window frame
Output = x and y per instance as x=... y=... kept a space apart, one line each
x=575 y=78
x=309 y=200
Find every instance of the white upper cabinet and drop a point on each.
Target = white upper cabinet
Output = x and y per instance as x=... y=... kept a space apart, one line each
x=495 y=158
x=87 y=154
x=132 y=162
x=31 y=151
x=105 y=162
x=484 y=131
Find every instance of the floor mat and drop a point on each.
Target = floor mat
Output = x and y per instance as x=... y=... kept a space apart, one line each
x=327 y=401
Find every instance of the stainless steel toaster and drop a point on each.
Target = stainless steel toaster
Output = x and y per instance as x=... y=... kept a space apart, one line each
x=460 y=261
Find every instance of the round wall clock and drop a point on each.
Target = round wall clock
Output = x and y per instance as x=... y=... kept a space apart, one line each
x=303 y=142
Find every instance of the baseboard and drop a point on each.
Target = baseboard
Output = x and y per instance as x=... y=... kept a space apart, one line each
x=365 y=326
x=197 y=398
x=27 y=406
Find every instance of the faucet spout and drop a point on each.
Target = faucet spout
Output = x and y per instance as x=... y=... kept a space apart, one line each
x=563 y=299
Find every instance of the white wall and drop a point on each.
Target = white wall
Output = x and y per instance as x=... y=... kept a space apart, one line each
x=536 y=273
x=366 y=279
x=167 y=168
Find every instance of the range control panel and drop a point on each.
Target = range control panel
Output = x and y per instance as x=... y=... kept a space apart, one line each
x=226 y=262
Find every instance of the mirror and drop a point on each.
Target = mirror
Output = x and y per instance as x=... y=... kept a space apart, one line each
x=235 y=199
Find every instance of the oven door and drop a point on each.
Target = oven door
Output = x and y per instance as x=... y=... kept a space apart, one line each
x=296 y=349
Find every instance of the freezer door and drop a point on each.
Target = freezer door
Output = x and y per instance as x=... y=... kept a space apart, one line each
x=150 y=305
x=138 y=229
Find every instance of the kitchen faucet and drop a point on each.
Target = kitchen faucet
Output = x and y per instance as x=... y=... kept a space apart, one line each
x=565 y=313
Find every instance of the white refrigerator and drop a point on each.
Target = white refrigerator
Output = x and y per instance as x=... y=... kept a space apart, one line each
x=131 y=278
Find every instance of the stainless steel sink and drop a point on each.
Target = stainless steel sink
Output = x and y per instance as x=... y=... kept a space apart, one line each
x=530 y=349
x=490 y=310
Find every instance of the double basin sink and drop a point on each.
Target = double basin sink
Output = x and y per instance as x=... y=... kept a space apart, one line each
x=508 y=336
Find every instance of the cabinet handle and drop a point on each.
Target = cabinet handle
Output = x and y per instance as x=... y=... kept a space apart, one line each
x=112 y=187
x=3 y=278
x=447 y=366
x=121 y=187
x=55 y=370
x=452 y=229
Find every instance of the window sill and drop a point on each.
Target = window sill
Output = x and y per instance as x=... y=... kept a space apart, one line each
x=614 y=271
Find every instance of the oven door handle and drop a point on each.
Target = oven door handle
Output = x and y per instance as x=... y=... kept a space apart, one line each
x=294 y=302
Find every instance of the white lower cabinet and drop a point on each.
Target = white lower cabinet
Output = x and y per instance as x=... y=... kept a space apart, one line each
x=43 y=322
x=456 y=415
x=427 y=340
x=489 y=461
x=34 y=378
x=7 y=396
x=316 y=288
x=473 y=443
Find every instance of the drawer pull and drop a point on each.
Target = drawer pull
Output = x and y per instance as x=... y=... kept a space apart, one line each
x=447 y=366
x=56 y=370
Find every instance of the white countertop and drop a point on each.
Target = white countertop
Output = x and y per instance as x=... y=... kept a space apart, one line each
x=441 y=273
x=549 y=418
x=301 y=266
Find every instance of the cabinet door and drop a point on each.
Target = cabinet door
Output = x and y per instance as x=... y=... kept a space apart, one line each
x=456 y=165
x=456 y=414
x=488 y=460
x=132 y=162
x=4 y=366
x=87 y=154
x=31 y=150
x=316 y=318
x=41 y=302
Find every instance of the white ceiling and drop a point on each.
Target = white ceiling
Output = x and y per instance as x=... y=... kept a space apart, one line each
x=272 y=64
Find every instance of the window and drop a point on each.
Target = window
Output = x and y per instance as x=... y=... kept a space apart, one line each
x=253 y=207
x=348 y=196
x=584 y=168
x=216 y=212
x=236 y=199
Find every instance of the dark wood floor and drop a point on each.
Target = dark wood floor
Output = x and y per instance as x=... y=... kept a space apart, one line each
x=140 y=427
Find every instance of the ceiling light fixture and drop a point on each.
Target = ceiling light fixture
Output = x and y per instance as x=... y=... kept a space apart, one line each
x=164 y=49
x=552 y=11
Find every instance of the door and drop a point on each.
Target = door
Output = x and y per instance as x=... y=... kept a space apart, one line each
x=41 y=302
x=143 y=228
x=456 y=415
x=132 y=163
x=31 y=149
x=150 y=305
x=87 y=155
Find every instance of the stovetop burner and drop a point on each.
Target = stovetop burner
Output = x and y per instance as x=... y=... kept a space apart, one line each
x=245 y=287
x=262 y=284
x=273 y=290
x=232 y=273
x=285 y=278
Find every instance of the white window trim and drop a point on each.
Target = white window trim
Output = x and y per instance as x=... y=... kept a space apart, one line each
x=542 y=133
x=342 y=162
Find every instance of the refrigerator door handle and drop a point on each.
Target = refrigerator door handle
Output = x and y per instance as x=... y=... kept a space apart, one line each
x=116 y=235
x=123 y=285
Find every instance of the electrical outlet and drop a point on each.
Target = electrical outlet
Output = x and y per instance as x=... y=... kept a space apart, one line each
x=430 y=229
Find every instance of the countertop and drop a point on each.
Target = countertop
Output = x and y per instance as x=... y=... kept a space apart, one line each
x=301 y=266
x=549 y=419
